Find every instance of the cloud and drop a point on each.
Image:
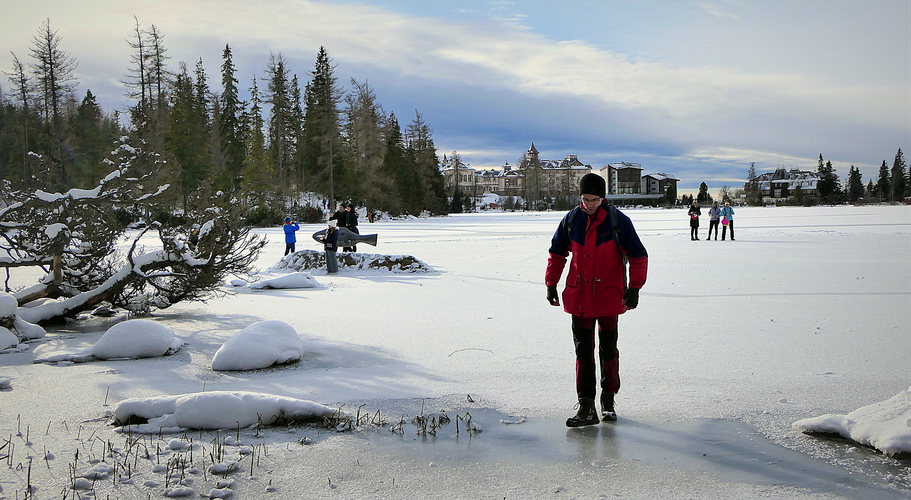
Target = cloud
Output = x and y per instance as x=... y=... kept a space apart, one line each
x=490 y=80
x=719 y=11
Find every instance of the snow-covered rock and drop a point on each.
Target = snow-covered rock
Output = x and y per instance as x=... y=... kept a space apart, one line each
x=260 y=345
x=7 y=339
x=885 y=426
x=136 y=338
x=214 y=410
x=8 y=306
x=305 y=260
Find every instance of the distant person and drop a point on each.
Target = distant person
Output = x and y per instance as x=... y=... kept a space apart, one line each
x=714 y=218
x=601 y=239
x=330 y=244
x=290 y=228
x=727 y=220
x=694 y=214
x=194 y=236
x=351 y=224
x=340 y=215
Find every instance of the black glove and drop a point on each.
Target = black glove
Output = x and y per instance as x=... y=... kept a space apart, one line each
x=552 y=296
x=631 y=298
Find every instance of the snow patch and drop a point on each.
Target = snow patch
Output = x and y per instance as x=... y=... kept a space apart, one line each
x=292 y=280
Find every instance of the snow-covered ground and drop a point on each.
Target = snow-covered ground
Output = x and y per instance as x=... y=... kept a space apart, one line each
x=805 y=316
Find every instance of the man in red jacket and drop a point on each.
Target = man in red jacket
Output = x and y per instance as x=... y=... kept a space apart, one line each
x=602 y=240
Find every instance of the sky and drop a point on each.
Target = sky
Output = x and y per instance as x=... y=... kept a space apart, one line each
x=697 y=89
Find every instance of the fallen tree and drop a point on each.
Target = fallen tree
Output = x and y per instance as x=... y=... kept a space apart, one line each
x=73 y=237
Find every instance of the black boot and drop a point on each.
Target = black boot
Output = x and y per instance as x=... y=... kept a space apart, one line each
x=607 y=407
x=587 y=415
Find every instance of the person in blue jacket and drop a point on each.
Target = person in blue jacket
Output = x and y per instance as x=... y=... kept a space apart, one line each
x=290 y=228
x=727 y=213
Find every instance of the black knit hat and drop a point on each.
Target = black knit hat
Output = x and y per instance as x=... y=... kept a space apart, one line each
x=592 y=184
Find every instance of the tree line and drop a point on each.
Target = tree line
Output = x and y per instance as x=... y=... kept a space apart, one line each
x=285 y=146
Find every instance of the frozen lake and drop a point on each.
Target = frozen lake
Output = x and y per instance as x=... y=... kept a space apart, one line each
x=805 y=314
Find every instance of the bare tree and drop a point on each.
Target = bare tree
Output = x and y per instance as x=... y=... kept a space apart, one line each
x=53 y=69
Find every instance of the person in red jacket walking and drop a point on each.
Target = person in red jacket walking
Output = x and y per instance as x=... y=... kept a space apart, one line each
x=603 y=241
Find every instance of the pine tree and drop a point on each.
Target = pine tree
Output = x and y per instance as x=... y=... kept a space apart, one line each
x=882 y=183
x=257 y=172
x=898 y=183
x=365 y=144
x=828 y=185
x=22 y=90
x=281 y=137
x=855 y=188
x=401 y=186
x=423 y=154
x=704 y=198
x=670 y=196
x=322 y=128
x=296 y=135
x=187 y=139
x=90 y=136
x=229 y=126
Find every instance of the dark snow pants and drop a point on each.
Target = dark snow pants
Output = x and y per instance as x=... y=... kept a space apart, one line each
x=724 y=230
x=608 y=355
x=713 y=224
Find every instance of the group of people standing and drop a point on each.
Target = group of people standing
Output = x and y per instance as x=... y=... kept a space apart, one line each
x=346 y=217
x=723 y=215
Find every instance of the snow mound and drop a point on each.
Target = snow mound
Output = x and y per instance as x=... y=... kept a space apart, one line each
x=136 y=338
x=29 y=331
x=7 y=339
x=292 y=280
x=259 y=345
x=8 y=305
x=306 y=260
x=885 y=426
x=213 y=410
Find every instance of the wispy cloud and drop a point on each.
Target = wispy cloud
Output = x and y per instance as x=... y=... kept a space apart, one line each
x=492 y=77
x=721 y=10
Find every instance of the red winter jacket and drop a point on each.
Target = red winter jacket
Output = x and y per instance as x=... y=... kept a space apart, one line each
x=596 y=280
